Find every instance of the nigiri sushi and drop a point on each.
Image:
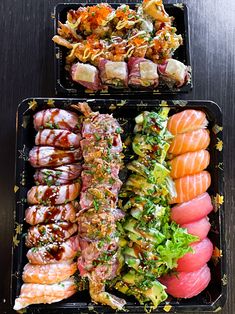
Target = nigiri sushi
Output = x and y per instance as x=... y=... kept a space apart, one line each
x=186 y=121
x=55 y=118
x=49 y=273
x=37 y=214
x=189 y=187
x=32 y=293
x=187 y=284
x=199 y=228
x=189 y=142
x=192 y=210
x=53 y=195
x=189 y=163
x=195 y=260
x=54 y=253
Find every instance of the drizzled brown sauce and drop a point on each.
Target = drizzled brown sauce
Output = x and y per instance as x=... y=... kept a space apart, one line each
x=54 y=252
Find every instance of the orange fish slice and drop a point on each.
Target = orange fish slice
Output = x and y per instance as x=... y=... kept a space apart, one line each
x=190 y=142
x=189 y=163
x=186 y=121
x=189 y=187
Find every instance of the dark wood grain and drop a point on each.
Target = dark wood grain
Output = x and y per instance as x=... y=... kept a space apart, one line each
x=26 y=69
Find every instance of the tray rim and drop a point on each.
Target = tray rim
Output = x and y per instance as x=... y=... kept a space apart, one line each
x=61 y=90
x=220 y=301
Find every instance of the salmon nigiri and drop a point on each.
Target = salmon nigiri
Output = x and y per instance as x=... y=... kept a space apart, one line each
x=49 y=273
x=33 y=293
x=189 y=187
x=186 y=121
x=189 y=163
x=190 y=142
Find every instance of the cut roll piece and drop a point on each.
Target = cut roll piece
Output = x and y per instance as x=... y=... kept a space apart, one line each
x=189 y=142
x=142 y=73
x=87 y=75
x=48 y=274
x=57 y=138
x=192 y=210
x=174 y=73
x=38 y=214
x=32 y=293
x=190 y=187
x=53 y=195
x=187 y=285
x=187 y=121
x=189 y=163
x=57 y=119
x=113 y=73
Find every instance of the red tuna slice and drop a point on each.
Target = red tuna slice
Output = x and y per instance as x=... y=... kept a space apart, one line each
x=195 y=260
x=187 y=285
x=199 y=228
x=193 y=210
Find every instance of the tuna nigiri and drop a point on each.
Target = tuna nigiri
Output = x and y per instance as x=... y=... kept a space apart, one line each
x=189 y=163
x=189 y=142
x=195 y=260
x=48 y=274
x=186 y=121
x=189 y=187
x=187 y=285
x=193 y=210
x=32 y=293
x=199 y=228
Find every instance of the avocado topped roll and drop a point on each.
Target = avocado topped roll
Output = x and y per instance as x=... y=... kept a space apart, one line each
x=113 y=73
x=142 y=72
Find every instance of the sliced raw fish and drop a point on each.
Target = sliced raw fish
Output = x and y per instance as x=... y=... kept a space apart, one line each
x=187 y=285
x=187 y=121
x=48 y=274
x=199 y=228
x=55 y=118
x=54 y=253
x=189 y=163
x=192 y=210
x=189 y=142
x=53 y=195
x=189 y=187
x=195 y=260
x=59 y=175
x=33 y=293
x=57 y=138
x=43 y=234
x=47 y=156
x=37 y=214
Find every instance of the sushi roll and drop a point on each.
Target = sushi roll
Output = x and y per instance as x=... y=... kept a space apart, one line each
x=113 y=73
x=173 y=73
x=142 y=72
x=86 y=75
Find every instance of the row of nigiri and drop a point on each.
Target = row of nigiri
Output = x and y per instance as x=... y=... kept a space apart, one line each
x=137 y=73
x=189 y=160
x=52 y=245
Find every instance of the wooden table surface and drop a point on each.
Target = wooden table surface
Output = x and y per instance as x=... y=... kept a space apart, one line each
x=26 y=69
